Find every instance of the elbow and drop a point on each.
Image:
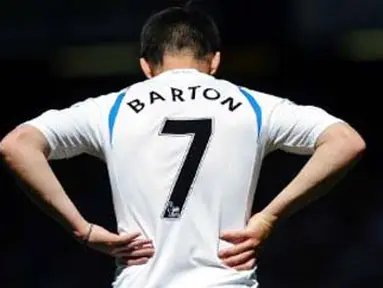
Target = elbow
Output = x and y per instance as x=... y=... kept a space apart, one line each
x=2 y=149
x=23 y=139
x=353 y=143
x=357 y=145
x=344 y=140
x=5 y=146
x=15 y=142
x=8 y=146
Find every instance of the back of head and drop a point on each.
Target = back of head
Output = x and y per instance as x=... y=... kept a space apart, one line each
x=177 y=30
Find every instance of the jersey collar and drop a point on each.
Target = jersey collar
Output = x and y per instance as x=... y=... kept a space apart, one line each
x=189 y=71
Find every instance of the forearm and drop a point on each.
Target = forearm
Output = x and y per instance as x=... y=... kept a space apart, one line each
x=324 y=169
x=32 y=169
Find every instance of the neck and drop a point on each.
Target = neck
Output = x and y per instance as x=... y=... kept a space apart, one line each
x=183 y=62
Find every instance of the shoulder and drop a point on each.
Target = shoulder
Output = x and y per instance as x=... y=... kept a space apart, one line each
x=263 y=101
x=103 y=102
x=106 y=103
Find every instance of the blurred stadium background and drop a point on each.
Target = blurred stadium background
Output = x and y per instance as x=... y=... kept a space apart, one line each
x=321 y=52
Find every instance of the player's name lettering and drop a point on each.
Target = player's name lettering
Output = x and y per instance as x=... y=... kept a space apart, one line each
x=188 y=94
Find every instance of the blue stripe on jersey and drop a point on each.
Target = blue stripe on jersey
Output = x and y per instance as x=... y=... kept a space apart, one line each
x=113 y=114
x=256 y=107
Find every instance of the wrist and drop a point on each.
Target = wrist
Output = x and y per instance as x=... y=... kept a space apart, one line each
x=261 y=224
x=81 y=231
x=266 y=219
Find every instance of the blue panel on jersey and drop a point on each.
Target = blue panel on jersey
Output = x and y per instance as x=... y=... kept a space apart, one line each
x=113 y=114
x=256 y=107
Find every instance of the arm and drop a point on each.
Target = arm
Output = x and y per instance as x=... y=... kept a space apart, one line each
x=333 y=145
x=24 y=151
x=55 y=134
x=336 y=149
x=59 y=134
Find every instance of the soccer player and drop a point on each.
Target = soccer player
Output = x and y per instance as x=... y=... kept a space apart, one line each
x=184 y=151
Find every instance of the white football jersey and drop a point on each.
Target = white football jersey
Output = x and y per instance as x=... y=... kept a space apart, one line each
x=184 y=152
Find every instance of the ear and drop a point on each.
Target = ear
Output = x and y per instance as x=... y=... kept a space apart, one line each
x=146 y=68
x=215 y=63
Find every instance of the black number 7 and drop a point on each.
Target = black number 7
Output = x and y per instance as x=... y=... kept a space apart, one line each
x=201 y=132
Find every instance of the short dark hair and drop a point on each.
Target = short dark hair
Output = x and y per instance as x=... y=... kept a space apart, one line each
x=177 y=29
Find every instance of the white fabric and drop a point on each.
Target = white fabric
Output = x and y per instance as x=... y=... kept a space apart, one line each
x=144 y=164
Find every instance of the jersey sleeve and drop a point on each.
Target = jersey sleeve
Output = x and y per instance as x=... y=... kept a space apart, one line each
x=72 y=131
x=295 y=128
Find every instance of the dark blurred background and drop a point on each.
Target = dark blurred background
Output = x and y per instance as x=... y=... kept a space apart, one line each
x=321 y=52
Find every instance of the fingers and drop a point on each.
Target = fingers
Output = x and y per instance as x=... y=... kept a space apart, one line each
x=241 y=256
x=140 y=261
x=239 y=259
x=132 y=261
x=249 y=244
x=234 y=236
x=136 y=256
x=132 y=245
x=246 y=266
x=138 y=248
x=123 y=239
x=139 y=253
